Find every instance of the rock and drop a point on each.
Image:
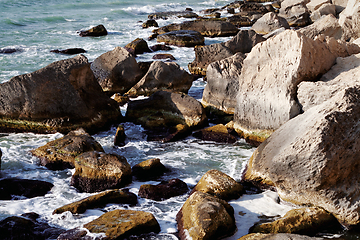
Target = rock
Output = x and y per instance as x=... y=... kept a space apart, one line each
x=163 y=190
x=217 y=133
x=206 y=27
x=301 y=160
x=326 y=9
x=223 y=83
x=116 y=71
x=150 y=23
x=305 y=221
x=120 y=224
x=165 y=108
x=159 y=47
x=166 y=15
x=73 y=100
x=60 y=153
x=340 y=5
x=138 y=46
x=274 y=33
x=181 y=38
x=252 y=8
x=168 y=133
x=162 y=76
x=243 y=42
x=14 y=189
x=121 y=100
x=313 y=5
x=69 y=51
x=268 y=84
x=219 y=185
x=0 y=161
x=349 y=20
x=75 y=234
x=163 y=56
x=99 y=200
x=97 y=31
x=95 y=171
x=339 y=47
x=8 y=50
x=269 y=22
x=205 y=217
x=144 y=67
x=295 y=12
x=148 y=169
x=120 y=136
x=279 y=236
x=328 y=25
x=210 y=10
x=239 y=21
x=344 y=74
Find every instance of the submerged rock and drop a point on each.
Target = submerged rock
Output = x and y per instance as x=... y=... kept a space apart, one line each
x=74 y=99
x=69 y=51
x=61 y=153
x=120 y=224
x=99 y=200
x=163 y=190
x=95 y=171
x=181 y=38
x=148 y=169
x=13 y=188
x=205 y=217
x=97 y=31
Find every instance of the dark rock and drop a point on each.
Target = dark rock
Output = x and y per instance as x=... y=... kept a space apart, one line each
x=164 y=190
x=69 y=51
x=209 y=10
x=13 y=189
x=159 y=47
x=240 y=21
x=181 y=38
x=138 y=46
x=75 y=234
x=163 y=56
x=120 y=136
x=120 y=224
x=148 y=169
x=97 y=31
x=168 y=134
x=99 y=200
x=60 y=153
x=121 y=100
x=217 y=133
x=144 y=67
x=61 y=97
x=9 y=50
x=166 y=15
x=150 y=23
x=96 y=172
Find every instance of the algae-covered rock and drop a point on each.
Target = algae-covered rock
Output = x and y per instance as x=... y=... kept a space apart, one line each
x=99 y=200
x=96 y=171
x=60 y=153
x=148 y=169
x=217 y=133
x=163 y=190
x=219 y=185
x=120 y=224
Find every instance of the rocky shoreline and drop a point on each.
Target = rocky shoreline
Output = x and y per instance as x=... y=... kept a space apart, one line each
x=287 y=84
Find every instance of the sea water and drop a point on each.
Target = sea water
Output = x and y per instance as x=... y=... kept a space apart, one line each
x=34 y=28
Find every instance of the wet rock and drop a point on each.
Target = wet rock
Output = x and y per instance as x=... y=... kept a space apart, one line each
x=159 y=47
x=163 y=190
x=166 y=15
x=150 y=23
x=69 y=51
x=60 y=153
x=181 y=38
x=295 y=12
x=163 y=56
x=287 y=159
x=219 y=185
x=349 y=20
x=74 y=99
x=162 y=76
x=217 y=133
x=148 y=169
x=166 y=109
x=120 y=224
x=168 y=134
x=120 y=136
x=8 y=50
x=223 y=83
x=269 y=22
x=205 y=217
x=138 y=46
x=97 y=31
x=95 y=171
x=268 y=84
x=120 y=99
x=305 y=221
x=116 y=71
x=243 y=42
x=328 y=26
x=279 y=236
x=76 y=234
x=99 y=200
x=14 y=189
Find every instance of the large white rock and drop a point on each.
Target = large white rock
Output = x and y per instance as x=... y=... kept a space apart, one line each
x=325 y=9
x=269 y=22
x=328 y=25
x=349 y=20
x=315 y=4
x=295 y=12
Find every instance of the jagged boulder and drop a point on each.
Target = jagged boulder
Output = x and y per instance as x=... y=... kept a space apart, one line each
x=328 y=26
x=301 y=160
x=96 y=171
x=326 y=9
x=162 y=76
x=116 y=71
x=62 y=96
x=99 y=200
x=205 y=217
x=164 y=190
x=223 y=83
x=349 y=20
x=269 y=22
x=120 y=224
x=295 y=12
x=60 y=153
